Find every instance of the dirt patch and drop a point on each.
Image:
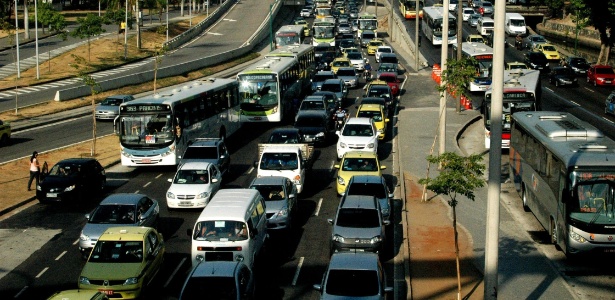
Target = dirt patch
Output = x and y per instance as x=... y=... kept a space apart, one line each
x=432 y=250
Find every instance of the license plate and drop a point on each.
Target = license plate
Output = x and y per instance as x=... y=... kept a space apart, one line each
x=106 y=292
x=609 y=250
x=608 y=81
x=308 y=139
x=146 y=161
x=52 y=195
x=185 y=203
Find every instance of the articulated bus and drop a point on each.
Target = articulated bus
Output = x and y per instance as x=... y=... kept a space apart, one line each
x=289 y=35
x=408 y=8
x=367 y=21
x=268 y=87
x=564 y=170
x=323 y=32
x=483 y=57
x=433 y=18
x=522 y=92
x=155 y=130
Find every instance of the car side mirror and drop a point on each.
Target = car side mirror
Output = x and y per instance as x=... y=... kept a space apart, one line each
x=170 y=180
x=214 y=180
x=330 y=221
x=317 y=287
x=386 y=222
x=383 y=167
x=336 y=166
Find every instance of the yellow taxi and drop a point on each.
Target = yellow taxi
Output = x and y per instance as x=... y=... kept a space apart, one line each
x=5 y=132
x=376 y=113
x=548 y=50
x=306 y=26
x=373 y=45
x=123 y=261
x=356 y=163
x=516 y=65
x=78 y=295
x=340 y=62
x=475 y=38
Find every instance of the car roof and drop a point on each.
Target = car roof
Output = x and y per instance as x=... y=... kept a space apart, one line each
x=195 y=165
x=359 y=201
x=285 y=130
x=315 y=97
x=77 y=161
x=202 y=142
x=311 y=114
x=325 y=73
x=346 y=68
x=125 y=233
x=389 y=74
x=366 y=179
x=269 y=180
x=354 y=261
x=370 y=107
x=122 y=198
x=360 y=154
x=359 y=120
x=333 y=80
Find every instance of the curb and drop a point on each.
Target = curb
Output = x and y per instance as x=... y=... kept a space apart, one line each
x=462 y=129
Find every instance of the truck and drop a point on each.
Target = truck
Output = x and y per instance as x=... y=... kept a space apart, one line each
x=289 y=160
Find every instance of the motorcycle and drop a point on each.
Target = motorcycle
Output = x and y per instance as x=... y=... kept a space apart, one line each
x=340 y=119
x=367 y=75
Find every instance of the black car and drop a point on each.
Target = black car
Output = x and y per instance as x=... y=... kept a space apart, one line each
x=286 y=136
x=536 y=60
x=71 y=179
x=579 y=65
x=314 y=125
x=562 y=76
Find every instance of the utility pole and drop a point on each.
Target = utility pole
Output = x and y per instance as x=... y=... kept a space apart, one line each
x=495 y=155
x=443 y=57
x=459 y=40
x=138 y=14
x=126 y=32
x=17 y=41
x=38 y=73
x=417 y=37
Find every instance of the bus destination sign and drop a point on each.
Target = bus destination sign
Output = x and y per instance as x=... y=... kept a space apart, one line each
x=145 y=108
x=256 y=77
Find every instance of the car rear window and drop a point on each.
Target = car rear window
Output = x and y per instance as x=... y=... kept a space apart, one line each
x=363 y=283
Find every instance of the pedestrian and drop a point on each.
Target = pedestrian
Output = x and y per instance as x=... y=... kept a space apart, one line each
x=35 y=169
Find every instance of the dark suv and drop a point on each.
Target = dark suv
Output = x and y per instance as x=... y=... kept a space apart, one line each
x=211 y=150
x=314 y=125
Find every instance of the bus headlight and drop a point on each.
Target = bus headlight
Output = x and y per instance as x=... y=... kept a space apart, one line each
x=84 y=280
x=342 y=145
x=376 y=239
x=320 y=134
x=70 y=188
x=370 y=145
x=577 y=237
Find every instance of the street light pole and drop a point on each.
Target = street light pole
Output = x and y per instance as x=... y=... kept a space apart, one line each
x=38 y=74
x=167 y=21
x=126 y=32
x=270 y=28
x=17 y=40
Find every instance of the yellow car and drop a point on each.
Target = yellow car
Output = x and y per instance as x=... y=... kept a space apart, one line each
x=376 y=112
x=5 y=132
x=516 y=65
x=78 y=295
x=549 y=51
x=123 y=261
x=306 y=28
x=356 y=163
x=373 y=45
x=340 y=62
x=475 y=38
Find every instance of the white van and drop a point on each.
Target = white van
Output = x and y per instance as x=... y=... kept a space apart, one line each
x=485 y=26
x=232 y=227
x=515 y=24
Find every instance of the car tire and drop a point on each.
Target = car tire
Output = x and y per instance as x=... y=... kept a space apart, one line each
x=595 y=82
x=587 y=79
x=557 y=83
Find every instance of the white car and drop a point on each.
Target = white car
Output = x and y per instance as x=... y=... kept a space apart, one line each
x=358 y=134
x=306 y=13
x=357 y=60
x=466 y=13
x=382 y=49
x=193 y=185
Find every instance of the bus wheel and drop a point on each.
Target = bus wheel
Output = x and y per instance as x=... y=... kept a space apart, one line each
x=524 y=199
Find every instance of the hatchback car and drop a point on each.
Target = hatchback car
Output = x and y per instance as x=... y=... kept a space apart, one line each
x=219 y=280
x=378 y=101
x=344 y=28
x=123 y=261
x=356 y=163
x=349 y=76
x=193 y=185
x=475 y=38
x=516 y=65
x=337 y=86
x=485 y=8
x=280 y=195
x=610 y=104
x=382 y=49
x=319 y=78
x=579 y=65
x=376 y=113
x=330 y=97
x=375 y=186
x=366 y=37
x=109 y=108
x=124 y=209
x=536 y=60
x=549 y=51
x=562 y=76
x=386 y=68
x=473 y=19
x=466 y=13
x=211 y=150
x=533 y=40
x=373 y=45
x=358 y=225
x=72 y=179
x=306 y=13
x=285 y=135
x=601 y=75
x=381 y=89
x=368 y=277
x=358 y=134
x=340 y=62
x=315 y=126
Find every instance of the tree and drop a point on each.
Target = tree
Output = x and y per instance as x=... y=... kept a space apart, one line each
x=457 y=75
x=48 y=17
x=601 y=16
x=89 y=27
x=83 y=72
x=159 y=54
x=459 y=175
x=161 y=5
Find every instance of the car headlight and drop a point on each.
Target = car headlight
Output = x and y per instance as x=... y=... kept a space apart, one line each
x=574 y=80
x=38 y=188
x=376 y=239
x=577 y=237
x=131 y=280
x=84 y=237
x=547 y=65
x=341 y=180
x=385 y=211
x=170 y=195
x=342 y=145
x=283 y=212
x=69 y=188
x=320 y=134
x=370 y=145
x=84 y=280
x=202 y=195
x=338 y=238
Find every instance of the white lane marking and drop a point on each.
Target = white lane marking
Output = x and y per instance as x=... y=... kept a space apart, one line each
x=61 y=254
x=214 y=33
x=76 y=242
x=147 y=184
x=549 y=90
x=298 y=270
x=588 y=89
x=230 y=20
x=577 y=104
x=42 y=272
x=20 y=292
x=251 y=170
x=137 y=192
x=606 y=119
x=159 y=175
x=318 y=207
x=174 y=272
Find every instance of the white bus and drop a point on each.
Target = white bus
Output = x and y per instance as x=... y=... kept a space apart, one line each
x=367 y=21
x=323 y=33
x=289 y=35
x=155 y=130
x=268 y=87
x=522 y=92
x=433 y=17
x=564 y=171
x=483 y=56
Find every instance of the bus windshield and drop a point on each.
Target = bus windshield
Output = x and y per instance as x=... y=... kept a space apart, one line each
x=509 y=108
x=368 y=24
x=258 y=94
x=452 y=27
x=592 y=200
x=155 y=130
x=323 y=31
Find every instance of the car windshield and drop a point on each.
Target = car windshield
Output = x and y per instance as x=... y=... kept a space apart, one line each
x=538 y=39
x=323 y=77
x=117 y=252
x=360 y=164
x=271 y=192
x=113 y=214
x=353 y=55
x=341 y=63
x=65 y=170
x=283 y=138
x=548 y=48
x=477 y=40
x=357 y=218
x=279 y=161
x=538 y=57
x=378 y=101
x=564 y=71
x=334 y=87
x=346 y=72
x=357 y=130
x=214 y=287
x=375 y=43
x=191 y=177
x=111 y=102
x=578 y=61
x=387 y=67
x=367 y=36
x=352 y=283
x=375 y=115
x=367 y=189
x=312 y=105
x=309 y=121
x=387 y=78
x=200 y=153
x=385 y=50
x=220 y=230
x=377 y=91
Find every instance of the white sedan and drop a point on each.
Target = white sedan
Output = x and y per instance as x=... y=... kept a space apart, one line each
x=193 y=185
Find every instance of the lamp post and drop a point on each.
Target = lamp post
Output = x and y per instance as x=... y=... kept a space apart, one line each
x=17 y=40
x=167 y=21
x=190 y=6
x=38 y=75
x=270 y=28
x=126 y=32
